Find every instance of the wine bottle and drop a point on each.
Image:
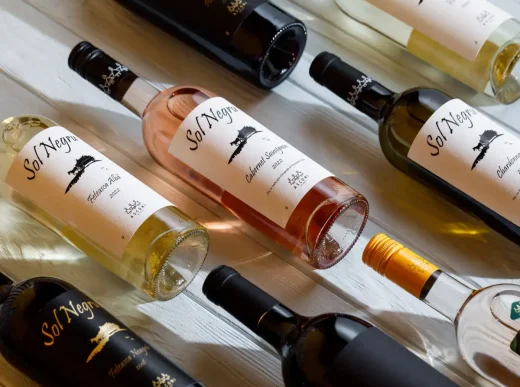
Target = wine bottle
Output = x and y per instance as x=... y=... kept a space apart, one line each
x=438 y=140
x=99 y=207
x=486 y=320
x=254 y=38
x=236 y=161
x=328 y=350
x=60 y=337
x=473 y=41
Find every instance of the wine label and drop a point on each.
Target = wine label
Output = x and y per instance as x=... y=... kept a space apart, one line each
x=246 y=159
x=473 y=153
x=81 y=344
x=75 y=183
x=463 y=26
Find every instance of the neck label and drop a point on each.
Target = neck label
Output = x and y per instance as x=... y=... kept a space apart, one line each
x=463 y=26
x=246 y=159
x=474 y=154
x=81 y=187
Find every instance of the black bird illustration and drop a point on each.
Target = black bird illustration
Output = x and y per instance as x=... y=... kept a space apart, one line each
x=485 y=141
x=79 y=169
x=241 y=140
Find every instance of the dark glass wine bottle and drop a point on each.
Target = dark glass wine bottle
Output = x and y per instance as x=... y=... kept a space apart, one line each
x=328 y=350
x=60 y=337
x=255 y=38
x=438 y=140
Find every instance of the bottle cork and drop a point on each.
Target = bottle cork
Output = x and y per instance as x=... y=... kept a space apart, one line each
x=399 y=264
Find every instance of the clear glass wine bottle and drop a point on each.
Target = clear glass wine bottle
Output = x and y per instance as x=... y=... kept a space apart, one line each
x=269 y=184
x=476 y=43
x=148 y=242
x=486 y=320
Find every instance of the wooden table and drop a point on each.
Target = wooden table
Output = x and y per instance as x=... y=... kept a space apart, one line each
x=35 y=39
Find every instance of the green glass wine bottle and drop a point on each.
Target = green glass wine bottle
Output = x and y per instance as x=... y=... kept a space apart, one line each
x=438 y=140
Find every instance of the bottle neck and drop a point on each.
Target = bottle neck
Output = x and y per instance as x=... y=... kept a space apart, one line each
x=138 y=96
x=249 y=304
x=112 y=78
x=355 y=87
x=416 y=275
x=277 y=324
x=445 y=294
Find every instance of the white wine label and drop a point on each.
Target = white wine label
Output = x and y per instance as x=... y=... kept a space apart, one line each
x=473 y=153
x=246 y=159
x=78 y=185
x=463 y=26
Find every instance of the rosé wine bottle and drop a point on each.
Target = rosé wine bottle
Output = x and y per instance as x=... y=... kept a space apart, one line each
x=236 y=161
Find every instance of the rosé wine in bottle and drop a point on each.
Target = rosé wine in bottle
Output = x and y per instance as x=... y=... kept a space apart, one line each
x=236 y=161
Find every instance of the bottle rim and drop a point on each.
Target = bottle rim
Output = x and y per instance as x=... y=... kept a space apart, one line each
x=317 y=254
x=154 y=286
x=283 y=33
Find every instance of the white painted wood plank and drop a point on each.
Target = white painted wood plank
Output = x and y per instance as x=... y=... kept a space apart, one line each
x=33 y=80
x=312 y=125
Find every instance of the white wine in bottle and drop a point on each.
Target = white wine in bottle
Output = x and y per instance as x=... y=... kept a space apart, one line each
x=99 y=207
x=472 y=40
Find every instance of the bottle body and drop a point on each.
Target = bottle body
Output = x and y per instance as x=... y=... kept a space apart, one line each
x=255 y=38
x=486 y=327
x=236 y=161
x=330 y=350
x=438 y=140
x=324 y=223
x=489 y=68
x=401 y=127
x=61 y=337
x=157 y=249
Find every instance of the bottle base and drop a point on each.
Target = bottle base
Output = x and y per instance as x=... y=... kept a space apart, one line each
x=505 y=73
x=178 y=266
x=340 y=232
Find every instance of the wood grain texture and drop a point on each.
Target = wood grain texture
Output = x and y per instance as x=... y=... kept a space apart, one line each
x=37 y=36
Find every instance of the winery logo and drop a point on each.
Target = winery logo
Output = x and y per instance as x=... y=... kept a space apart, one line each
x=79 y=169
x=106 y=331
x=164 y=380
x=243 y=135
x=515 y=310
x=358 y=88
x=485 y=141
x=110 y=79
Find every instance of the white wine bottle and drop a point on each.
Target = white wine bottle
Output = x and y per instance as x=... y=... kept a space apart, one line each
x=486 y=320
x=437 y=140
x=472 y=40
x=99 y=207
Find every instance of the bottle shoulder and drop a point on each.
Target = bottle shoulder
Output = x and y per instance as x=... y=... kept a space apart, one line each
x=311 y=350
x=177 y=101
x=486 y=328
x=31 y=294
x=425 y=96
